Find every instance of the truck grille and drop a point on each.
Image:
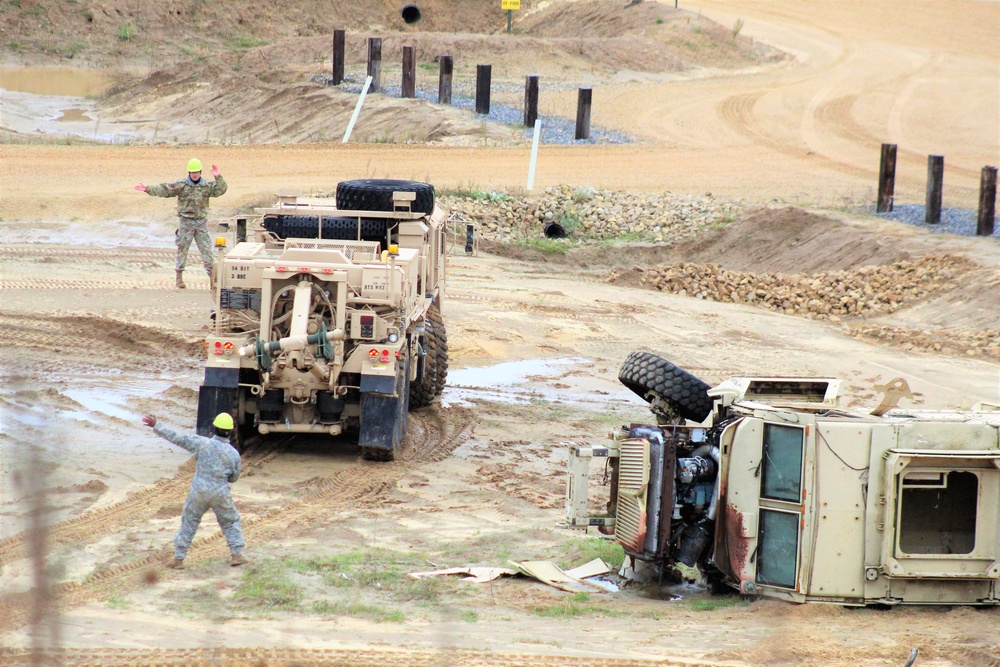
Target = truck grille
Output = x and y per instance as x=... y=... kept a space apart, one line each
x=633 y=482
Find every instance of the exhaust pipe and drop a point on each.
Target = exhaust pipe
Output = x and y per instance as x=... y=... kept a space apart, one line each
x=410 y=13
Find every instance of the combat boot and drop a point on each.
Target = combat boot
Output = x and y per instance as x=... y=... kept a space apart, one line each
x=237 y=560
x=175 y=563
x=180 y=280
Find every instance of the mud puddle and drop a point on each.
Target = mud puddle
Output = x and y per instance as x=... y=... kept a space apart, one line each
x=527 y=381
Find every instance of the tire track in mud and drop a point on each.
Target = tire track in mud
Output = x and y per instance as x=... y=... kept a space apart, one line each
x=136 y=508
x=71 y=333
x=49 y=253
x=432 y=437
x=581 y=314
x=139 y=283
x=303 y=657
x=836 y=115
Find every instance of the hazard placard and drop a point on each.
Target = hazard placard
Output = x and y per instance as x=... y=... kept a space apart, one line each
x=509 y=5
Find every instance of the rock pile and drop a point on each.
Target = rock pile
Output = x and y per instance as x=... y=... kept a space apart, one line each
x=870 y=290
x=982 y=343
x=587 y=214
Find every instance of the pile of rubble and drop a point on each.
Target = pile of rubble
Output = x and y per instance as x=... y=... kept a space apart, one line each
x=982 y=343
x=866 y=291
x=584 y=213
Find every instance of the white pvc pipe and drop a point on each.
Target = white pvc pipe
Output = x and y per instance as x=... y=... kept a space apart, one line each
x=357 y=110
x=534 y=154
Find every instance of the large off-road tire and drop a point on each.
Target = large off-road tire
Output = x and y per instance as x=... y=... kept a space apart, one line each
x=440 y=349
x=375 y=194
x=424 y=389
x=643 y=372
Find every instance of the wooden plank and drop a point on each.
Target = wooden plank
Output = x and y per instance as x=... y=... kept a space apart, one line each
x=987 y=201
x=530 y=100
x=483 y=76
x=583 y=102
x=375 y=63
x=886 y=178
x=339 y=38
x=935 y=184
x=444 y=80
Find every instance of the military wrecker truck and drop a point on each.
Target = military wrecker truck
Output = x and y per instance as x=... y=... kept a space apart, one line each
x=328 y=317
x=771 y=489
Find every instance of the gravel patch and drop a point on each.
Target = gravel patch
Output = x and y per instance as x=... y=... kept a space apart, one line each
x=555 y=129
x=960 y=221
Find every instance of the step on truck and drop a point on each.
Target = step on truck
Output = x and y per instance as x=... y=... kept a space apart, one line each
x=327 y=317
x=772 y=489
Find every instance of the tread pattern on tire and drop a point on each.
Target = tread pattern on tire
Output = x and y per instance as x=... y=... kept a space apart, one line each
x=440 y=349
x=643 y=372
x=422 y=391
x=375 y=194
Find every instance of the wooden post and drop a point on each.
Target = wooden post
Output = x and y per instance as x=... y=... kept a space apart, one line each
x=409 y=73
x=935 y=183
x=375 y=63
x=338 y=56
x=987 y=201
x=886 y=178
x=444 y=80
x=583 y=99
x=530 y=100
x=483 y=75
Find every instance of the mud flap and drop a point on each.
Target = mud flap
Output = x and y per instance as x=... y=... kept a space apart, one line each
x=384 y=415
x=217 y=394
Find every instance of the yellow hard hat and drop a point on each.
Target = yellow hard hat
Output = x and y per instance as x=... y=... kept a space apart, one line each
x=194 y=164
x=223 y=420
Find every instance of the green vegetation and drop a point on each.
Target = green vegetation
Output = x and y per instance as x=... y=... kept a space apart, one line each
x=737 y=27
x=548 y=246
x=476 y=194
x=721 y=602
x=371 y=612
x=244 y=42
x=74 y=48
x=115 y=602
x=468 y=616
x=268 y=586
x=126 y=31
x=569 y=220
x=577 y=604
x=659 y=21
x=586 y=549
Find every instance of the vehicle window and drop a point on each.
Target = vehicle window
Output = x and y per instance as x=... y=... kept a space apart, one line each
x=782 y=474
x=938 y=512
x=777 y=548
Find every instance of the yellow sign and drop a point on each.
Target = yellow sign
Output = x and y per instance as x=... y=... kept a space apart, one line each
x=509 y=5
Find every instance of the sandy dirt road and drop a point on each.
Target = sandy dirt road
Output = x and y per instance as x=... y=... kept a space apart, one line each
x=95 y=336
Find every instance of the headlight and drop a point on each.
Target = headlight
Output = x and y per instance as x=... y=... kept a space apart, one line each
x=393 y=337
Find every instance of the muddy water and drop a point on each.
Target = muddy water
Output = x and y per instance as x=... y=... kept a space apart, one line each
x=63 y=81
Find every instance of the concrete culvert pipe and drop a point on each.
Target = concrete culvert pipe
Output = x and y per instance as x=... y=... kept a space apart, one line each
x=553 y=230
x=410 y=13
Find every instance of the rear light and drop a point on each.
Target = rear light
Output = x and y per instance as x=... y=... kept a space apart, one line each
x=281 y=269
x=218 y=343
x=303 y=269
x=373 y=353
x=327 y=271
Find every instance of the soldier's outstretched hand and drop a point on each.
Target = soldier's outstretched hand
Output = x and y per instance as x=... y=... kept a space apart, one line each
x=149 y=420
x=141 y=188
x=215 y=171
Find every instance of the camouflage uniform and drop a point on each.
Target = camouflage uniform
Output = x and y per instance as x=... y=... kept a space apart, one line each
x=218 y=466
x=192 y=209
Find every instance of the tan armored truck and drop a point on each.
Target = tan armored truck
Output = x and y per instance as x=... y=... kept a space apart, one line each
x=327 y=316
x=771 y=489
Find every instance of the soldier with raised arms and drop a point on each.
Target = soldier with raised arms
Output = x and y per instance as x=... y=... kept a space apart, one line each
x=193 y=193
x=218 y=466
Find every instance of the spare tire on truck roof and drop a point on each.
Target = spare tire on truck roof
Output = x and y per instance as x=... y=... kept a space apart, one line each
x=375 y=194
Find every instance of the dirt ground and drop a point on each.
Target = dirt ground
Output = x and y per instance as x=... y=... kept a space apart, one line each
x=95 y=336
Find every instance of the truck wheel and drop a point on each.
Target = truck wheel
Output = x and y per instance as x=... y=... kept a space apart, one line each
x=375 y=194
x=643 y=372
x=423 y=389
x=440 y=349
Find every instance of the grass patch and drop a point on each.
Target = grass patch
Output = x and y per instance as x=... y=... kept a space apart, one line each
x=586 y=549
x=115 y=602
x=369 y=568
x=245 y=41
x=578 y=604
x=371 y=612
x=268 y=586
x=468 y=616
x=721 y=602
x=569 y=221
x=547 y=246
x=476 y=195
x=126 y=31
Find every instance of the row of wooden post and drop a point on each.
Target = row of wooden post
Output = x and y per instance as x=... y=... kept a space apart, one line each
x=446 y=70
x=935 y=185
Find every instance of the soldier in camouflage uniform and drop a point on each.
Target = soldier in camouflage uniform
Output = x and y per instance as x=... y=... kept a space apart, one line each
x=192 y=195
x=218 y=466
